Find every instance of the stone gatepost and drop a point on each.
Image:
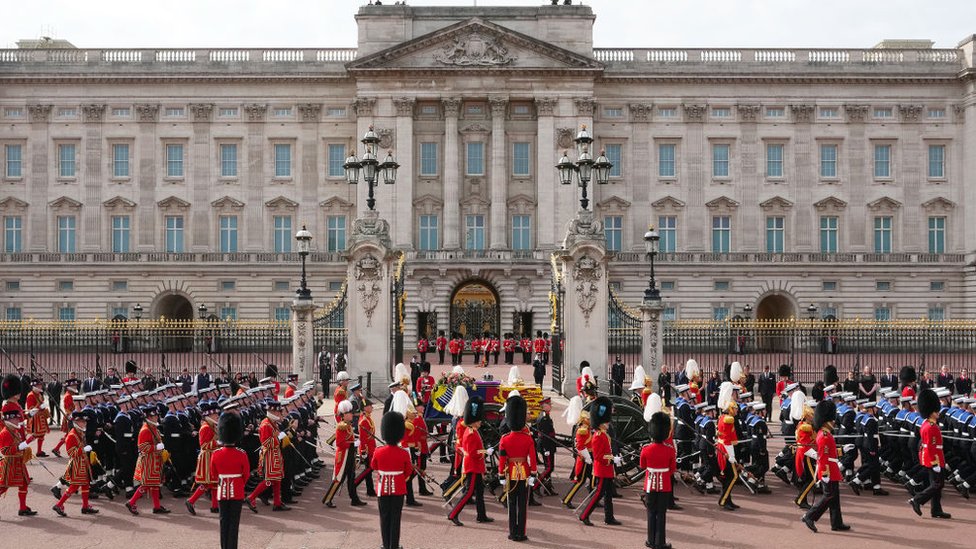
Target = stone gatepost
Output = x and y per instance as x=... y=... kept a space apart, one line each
x=302 y=339
x=584 y=268
x=652 y=347
x=368 y=314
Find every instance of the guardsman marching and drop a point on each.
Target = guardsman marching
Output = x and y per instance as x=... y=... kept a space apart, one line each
x=392 y=464
x=601 y=411
x=340 y=394
x=546 y=445
x=231 y=467
x=204 y=476
x=14 y=450
x=71 y=387
x=659 y=462
x=805 y=453
x=78 y=473
x=516 y=465
x=579 y=419
x=346 y=449
x=271 y=462
x=367 y=447
x=827 y=469
x=725 y=441
x=455 y=408
x=38 y=414
x=473 y=466
x=440 y=344
x=508 y=345
x=149 y=464
x=930 y=456
x=292 y=385
x=525 y=344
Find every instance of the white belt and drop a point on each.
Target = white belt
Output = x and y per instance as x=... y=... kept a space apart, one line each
x=224 y=477
x=389 y=473
x=127 y=435
x=832 y=460
x=655 y=470
x=175 y=435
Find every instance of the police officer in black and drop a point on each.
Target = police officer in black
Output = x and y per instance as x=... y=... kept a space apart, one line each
x=617 y=374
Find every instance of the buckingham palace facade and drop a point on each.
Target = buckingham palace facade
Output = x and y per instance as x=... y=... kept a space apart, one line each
x=777 y=178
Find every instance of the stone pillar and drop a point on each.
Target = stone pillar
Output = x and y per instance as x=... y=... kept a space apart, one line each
x=302 y=340
x=652 y=347
x=403 y=190
x=499 y=186
x=546 y=158
x=452 y=184
x=368 y=314
x=584 y=267
x=91 y=214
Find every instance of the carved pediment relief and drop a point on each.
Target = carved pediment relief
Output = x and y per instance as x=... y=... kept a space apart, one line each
x=474 y=44
x=173 y=203
x=776 y=204
x=119 y=203
x=521 y=204
x=64 y=204
x=884 y=204
x=475 y=204
x=280 y=203
x=668 y=203
x=830 y=204
x=614 y=204
x=938 y=205
x=722 y=204
x=11 y=205
x=227 y=203
x=336 y=204
x=427 y=204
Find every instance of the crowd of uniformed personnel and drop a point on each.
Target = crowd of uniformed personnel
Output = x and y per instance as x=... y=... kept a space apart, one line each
x=130 y=441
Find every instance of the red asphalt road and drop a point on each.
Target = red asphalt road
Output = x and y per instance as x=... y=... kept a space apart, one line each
x=763 y=521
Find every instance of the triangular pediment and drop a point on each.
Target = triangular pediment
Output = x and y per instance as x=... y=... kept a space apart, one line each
x=427 y=200
x=884 y=203
x=118 y=202
x=65 y=203
x=228 y=203
x=173 y=202
x=830 y=203
x=668 y=202
x=11 y=204
x=335 y=203
x=938 y=204
x=776 y=202
x=614 y=203
x=520 y=200
x=474 y=45
x=281 y=202
x=722 y=202
x=475 y=200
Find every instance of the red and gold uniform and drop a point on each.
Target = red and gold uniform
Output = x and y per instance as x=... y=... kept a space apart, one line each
x=930 y=452
x=338 y=396
x=344 y=470
x=344 y=440
x=423 y=345
x=526 y=345
x=802 y=461
x=582 y=470
x=425 y=385
x=13 y=460
x=149 y=466
x=68 y=406
x=539 y=345
x=393 y=467
x=659 y=462
x=459 y=431
x=289 y=391
x=931 y=456
x=271 y=462
x=37 y=419
x=204 y=476
x=473 y=468
x=231 y=467
x=725 y=439
x=78 y=473
x=516 y=462
x=908 y=391
x=367 y=447
x=455 y=347
x=603 y=473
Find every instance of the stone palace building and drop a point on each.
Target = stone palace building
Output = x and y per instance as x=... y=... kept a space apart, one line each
x=777 y=178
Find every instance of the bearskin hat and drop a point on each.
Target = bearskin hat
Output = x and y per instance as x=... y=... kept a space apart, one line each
x=818 y=391
x=270 y=370
x=907 y=375
x=659 y=427
x=785 y=370
x=600 y=411
x=830 y=375
x=130 y=366
x=474 y=410
x=928 y=403
x=515 y=413
x=392 y=428
x=826 y=411
x=10 y=386
x=230 y=428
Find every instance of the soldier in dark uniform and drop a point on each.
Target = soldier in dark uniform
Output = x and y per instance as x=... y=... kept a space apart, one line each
x=617 y=374
x=124 y=431
x=545 y=443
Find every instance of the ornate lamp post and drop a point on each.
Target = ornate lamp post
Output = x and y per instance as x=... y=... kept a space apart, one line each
x=585 y=168
x=812 y=311
x=137 y=314
x=369 y=165
x=202 y=311
x=653 y=240
x=304 y=238
x=747 y=310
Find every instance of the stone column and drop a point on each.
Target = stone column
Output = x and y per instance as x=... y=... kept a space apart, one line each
x=584 y=267
x=91 y=214
x=499 y=187
x=546 y=158
x=149 y=171
x=40 y=151
x=368 y=314
x=452 y=184
x=652 y=347
x=403 y=190
x=302 y=340
x=253 y=154
x=202 y=237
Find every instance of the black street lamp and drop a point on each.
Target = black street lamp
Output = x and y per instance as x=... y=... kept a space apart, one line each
x=747 y=310
x=585 y=167
x=369 y=165
x=304 y=238
x=137 y=311
x=202 y=311
x=653 y=239
x=812 y=311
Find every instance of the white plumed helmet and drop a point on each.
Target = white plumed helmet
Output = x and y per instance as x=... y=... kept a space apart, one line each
x=691 y=369
x=573 y=411
x=653 y=406
x=797 y=401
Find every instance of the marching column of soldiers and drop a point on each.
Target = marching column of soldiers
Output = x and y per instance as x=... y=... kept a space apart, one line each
x=129 y=441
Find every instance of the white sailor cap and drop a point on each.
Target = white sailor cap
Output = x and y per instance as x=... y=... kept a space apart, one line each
x=892 y=394
x=758 y=406
x=942 y=392
x=791 y=387
x=904 y=399
x=682 y=388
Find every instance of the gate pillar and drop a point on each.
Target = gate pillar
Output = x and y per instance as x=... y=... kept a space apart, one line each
x=369 y=315
x=652 y=347
x=302 y=337
x=583 y=260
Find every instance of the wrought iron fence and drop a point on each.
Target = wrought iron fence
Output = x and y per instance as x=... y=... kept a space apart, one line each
x=810 y=345
x=556 y=298
x=331 y=337
x=398 y=304
x=623 y=336
x=160 y=347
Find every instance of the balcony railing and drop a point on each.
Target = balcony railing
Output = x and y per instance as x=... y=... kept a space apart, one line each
x=777 y=56
x=798 y=258
x=183 y=56
x=164 y=257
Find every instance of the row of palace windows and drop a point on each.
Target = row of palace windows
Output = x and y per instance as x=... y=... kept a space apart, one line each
x=775 y=113
x=474 y=233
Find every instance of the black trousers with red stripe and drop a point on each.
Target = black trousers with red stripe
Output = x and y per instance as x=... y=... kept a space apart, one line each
x=474 y=488
x=604 y=489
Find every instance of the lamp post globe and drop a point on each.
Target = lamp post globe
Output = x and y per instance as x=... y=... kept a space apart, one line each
x=747 y=309
x=304 y=238
x=812 y=311
x=370 y=167
x=202 y=311
x=652 y=240
x=585 y=167
x=137 y=311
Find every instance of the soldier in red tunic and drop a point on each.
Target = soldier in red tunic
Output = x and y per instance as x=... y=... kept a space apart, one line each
x=423 y=345
x=14 y=451
x=230 y=466
x=659 y=461
x=493 y=347
x=455 y=346
x=341 y=393
x=367 y=447
x=71 y=387
x=601 y=411
x=908 y=377
x=271 y=462
x=583 y=470
x=393 y=466
x=473 y=465
x=806 y=452
x=38 y=413
x=828 y=470
x=149 y=464
x=78 y=473
x=440 y=344
x=204 y=476
x=346 y=449
x=525 y=346
x=516 y=465
x=930 y=456
x=292 y=386
x=425 y=383
x=725 y=440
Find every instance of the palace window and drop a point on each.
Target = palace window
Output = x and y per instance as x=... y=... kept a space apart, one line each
x=282 y=234
x=121 y=230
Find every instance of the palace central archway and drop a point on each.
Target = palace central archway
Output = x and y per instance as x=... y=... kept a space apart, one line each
x=772 y=308
x=174 y=307
x=475 y=309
